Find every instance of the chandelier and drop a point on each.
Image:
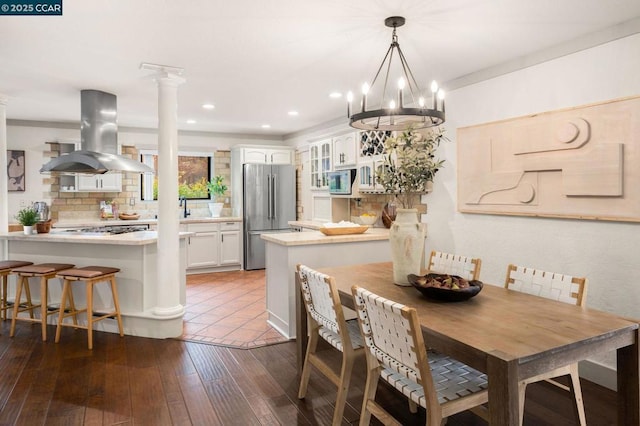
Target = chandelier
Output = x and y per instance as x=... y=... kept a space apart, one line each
x=394 y=113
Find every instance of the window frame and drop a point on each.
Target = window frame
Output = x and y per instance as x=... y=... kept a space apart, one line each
x=147 y=180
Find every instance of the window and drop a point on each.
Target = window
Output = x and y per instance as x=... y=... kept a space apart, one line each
x=194 y=171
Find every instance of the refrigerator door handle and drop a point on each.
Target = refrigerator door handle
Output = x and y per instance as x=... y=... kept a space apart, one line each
x=269 y=197
x=274 y=194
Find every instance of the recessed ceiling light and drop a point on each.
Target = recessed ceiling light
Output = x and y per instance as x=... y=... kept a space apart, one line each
x=208 y=106
x=335 y=95
x=293 y=113
x=266 y=126
x=191 y=121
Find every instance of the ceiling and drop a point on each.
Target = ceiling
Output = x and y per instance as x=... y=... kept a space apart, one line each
x=256 y=60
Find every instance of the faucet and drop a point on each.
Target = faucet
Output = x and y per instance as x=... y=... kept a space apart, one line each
x=183 y=204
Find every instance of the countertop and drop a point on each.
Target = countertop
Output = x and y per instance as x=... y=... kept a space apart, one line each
x=109 y=222
x=59 y=236
x=310 y=224
x=317 y=237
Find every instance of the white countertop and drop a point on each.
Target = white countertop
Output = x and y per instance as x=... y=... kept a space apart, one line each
x=109 y=222
x=131 y=238
x=310 y=224
x=317 y=237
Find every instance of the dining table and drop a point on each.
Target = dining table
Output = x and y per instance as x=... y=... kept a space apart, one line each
x=506 y=334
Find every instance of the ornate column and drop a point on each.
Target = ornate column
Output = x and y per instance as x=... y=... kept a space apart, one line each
x=4 y=193
x=168 y=295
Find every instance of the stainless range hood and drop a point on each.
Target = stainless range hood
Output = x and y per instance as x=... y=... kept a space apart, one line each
x=99 y=140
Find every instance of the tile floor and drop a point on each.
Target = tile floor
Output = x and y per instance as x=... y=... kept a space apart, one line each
x=228 y=308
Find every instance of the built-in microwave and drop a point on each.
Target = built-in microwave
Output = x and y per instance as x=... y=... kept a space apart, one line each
x=341 y=182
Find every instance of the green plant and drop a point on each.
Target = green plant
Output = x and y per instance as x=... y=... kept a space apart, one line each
x=216 y=187
x=409 y=163
x=27 y=216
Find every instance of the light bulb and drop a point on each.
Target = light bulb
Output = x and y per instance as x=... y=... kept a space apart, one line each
x=440 y=94
x=421 y=102
x=365 y=88
x=401 y=83
x=349 y=97
x=392 y=104
x=434 y=86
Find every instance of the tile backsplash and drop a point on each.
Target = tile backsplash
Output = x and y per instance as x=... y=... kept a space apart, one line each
x=74 y=206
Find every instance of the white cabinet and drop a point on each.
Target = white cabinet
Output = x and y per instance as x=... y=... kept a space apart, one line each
x=260 y=155
x=202 y=250
x=214 y=245
x=320 y=164
x=229 y=243
x=367 y=172
x=108 y=182
x=344 y=150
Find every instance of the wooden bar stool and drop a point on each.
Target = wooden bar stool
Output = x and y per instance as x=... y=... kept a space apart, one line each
x=91 y=275
x=5 y=269
x=44 y=271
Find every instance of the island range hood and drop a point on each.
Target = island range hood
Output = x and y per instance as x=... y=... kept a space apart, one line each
x=98 y=140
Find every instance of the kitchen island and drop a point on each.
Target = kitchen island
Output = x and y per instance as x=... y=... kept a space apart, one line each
x=316 y=250
x=134 y=253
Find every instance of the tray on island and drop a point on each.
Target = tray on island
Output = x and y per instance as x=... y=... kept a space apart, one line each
x=343 y=230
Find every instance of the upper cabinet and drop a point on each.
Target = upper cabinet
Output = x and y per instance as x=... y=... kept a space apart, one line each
x=320 y=164
x=260 y=155
x=344 y=150
x=108 y=182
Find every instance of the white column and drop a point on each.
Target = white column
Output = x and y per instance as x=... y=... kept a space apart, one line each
x=4 y=199
x=168 y=302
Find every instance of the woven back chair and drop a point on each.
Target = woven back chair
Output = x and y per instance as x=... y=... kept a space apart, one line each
x=563 y=288
x=454 y=264
x=325 y=320
x=396 y=353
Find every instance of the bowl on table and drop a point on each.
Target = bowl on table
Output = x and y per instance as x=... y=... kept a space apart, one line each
x=448 y=288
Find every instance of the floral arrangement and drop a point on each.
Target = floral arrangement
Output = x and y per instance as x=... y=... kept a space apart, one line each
x=409 y=163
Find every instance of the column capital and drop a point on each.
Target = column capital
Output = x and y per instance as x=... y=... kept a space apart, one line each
x=4 y=99
x=164 y=74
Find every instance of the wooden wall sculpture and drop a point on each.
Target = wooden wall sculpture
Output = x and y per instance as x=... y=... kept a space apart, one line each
x=582 y=162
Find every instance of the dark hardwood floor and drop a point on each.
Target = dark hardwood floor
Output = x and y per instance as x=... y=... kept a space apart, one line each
x=139 y=381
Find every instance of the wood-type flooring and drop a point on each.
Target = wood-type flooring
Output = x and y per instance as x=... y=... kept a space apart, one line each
x=140 y=381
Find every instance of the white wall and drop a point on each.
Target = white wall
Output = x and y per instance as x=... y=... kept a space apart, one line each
x=605 y=252
x=32 y=138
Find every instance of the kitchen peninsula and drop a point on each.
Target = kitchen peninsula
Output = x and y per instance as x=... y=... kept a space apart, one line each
x=312 y=248
x=134 y=253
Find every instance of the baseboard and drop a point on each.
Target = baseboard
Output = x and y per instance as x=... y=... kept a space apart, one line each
x=598 y=373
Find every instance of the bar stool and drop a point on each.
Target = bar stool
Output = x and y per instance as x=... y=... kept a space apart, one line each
x=5 y=269
x=44 y=271
x=91 y=275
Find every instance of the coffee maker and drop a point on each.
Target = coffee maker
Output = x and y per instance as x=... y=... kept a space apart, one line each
x=42 y=209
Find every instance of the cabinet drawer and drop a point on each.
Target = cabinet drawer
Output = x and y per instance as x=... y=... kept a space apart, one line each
x=203 y=227
x=229 y=226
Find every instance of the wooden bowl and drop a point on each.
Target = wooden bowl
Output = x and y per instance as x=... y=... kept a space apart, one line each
x=444 y=294
x=128 y=216
x=343 y=230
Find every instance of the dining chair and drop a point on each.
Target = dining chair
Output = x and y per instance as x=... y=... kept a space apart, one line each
x=326 y=320
x=454 y=264
x=563 y=288
x=396 y=353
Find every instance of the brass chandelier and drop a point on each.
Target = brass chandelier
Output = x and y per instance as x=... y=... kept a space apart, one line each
x=393 y=112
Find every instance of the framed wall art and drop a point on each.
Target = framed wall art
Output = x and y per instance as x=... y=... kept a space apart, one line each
x=15 y=170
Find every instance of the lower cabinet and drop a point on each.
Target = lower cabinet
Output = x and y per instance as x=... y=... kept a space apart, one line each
x=214 y=246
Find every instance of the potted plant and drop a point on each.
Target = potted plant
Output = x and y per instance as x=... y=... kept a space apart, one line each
x=408 y=168
x=27 y=217
x=217 y=189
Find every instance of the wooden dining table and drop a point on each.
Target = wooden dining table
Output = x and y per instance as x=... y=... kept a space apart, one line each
x=506 y=334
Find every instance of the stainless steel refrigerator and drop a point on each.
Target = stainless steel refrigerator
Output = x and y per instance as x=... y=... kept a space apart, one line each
x=269 y=203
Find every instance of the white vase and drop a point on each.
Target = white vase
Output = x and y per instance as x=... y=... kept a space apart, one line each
x=406 y=237
x=28 y=230
x=215 y=209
